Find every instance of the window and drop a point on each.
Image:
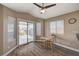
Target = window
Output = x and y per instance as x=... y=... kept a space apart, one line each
x=11 y=23
x=60 y=27
x=53 y=27
x=57 y=27
x=38 y=28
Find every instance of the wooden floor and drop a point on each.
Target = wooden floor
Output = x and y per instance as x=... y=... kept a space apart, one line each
x=34 y=49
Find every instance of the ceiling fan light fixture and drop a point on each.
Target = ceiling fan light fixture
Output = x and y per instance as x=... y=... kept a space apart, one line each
x=43 y=7
x=42 y=11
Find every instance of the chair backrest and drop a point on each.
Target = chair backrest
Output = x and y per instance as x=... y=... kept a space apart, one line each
x=39 y=37
x=52 y=38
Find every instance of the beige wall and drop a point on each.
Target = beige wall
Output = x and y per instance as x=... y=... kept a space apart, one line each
x=7 y=46
x=3 y=26
x=1 y=29
x=69 y=38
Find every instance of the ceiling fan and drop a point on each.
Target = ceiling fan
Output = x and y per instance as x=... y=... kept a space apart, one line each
x=43 y=7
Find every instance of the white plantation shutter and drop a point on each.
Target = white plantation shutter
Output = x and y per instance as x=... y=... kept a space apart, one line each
x=53 y=27
x=60 y=27
x=57 y=27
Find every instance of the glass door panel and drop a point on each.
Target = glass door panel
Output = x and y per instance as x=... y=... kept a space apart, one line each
x=22 y=33
x=30 y=32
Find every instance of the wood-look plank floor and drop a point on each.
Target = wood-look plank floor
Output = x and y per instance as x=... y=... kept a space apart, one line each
x=34 y=49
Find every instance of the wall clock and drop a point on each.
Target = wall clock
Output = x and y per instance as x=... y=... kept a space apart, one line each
x=72 y=20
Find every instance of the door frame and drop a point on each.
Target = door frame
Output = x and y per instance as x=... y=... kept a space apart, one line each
x=28 y=21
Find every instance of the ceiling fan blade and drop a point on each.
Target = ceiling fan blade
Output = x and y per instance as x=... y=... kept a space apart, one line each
x=37 y=5
x=49 y=6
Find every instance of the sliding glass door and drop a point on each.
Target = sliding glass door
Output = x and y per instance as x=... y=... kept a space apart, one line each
x=26 y=32
x=30 y=32
x=22 y=32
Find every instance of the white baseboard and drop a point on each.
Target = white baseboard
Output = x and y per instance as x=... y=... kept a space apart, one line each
x=10 y=51
x=67 y=47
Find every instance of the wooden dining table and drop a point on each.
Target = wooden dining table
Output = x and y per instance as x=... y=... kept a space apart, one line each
x=48 y=42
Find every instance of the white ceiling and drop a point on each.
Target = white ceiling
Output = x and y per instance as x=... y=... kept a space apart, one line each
x=59 y=9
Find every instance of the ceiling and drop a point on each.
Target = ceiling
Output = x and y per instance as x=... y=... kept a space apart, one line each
x=59 y=9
